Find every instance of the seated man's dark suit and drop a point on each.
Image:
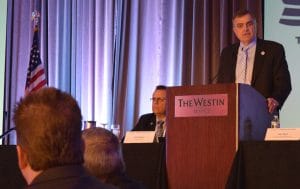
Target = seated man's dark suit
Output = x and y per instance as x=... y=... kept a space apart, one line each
x=270 y=77
x=147 y=122
x=66 y=177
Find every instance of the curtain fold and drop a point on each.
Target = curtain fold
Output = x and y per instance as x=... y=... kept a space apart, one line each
x=110 y=54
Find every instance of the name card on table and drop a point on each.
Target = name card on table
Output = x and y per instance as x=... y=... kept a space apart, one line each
x=279 y=134
x=139 y=137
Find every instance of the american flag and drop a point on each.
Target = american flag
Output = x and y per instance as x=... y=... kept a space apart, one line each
x=36 y=78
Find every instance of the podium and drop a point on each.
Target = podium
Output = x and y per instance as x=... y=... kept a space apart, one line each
x=205 y=124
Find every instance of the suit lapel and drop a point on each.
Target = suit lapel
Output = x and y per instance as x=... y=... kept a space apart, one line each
x=259 y=60
x=153 y=122
x=234 y=61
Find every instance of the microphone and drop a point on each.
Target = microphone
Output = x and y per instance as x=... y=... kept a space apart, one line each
x=214 y=78
x=7 y=132
x=223 y=69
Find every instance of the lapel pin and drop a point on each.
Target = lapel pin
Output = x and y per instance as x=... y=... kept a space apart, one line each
x=262 y=53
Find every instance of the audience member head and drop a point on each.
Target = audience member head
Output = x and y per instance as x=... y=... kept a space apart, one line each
x=159 y=101
x=48 y=126
x=244 y=26
x=102 y=156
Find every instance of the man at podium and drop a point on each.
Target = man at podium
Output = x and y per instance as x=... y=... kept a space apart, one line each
x=155 y=121
x=259 y=63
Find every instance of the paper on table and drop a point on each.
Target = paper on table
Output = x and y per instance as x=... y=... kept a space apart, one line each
x=139 y=137
x=282 y=134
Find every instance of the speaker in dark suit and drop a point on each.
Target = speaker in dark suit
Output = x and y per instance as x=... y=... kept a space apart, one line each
x=267 y=70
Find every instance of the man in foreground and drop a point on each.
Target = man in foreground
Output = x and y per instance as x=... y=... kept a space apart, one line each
x=49 y=145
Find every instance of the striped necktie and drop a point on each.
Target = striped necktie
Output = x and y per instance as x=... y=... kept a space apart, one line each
x=243 y=62
x=159 y=130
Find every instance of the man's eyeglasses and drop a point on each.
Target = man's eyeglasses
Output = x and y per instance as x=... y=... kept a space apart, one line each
x=157 y=99
x=241 y=25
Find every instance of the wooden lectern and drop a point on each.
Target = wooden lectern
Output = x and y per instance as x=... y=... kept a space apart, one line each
x=204 y=125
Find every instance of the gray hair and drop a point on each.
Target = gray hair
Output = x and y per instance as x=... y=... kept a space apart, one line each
x=102 y=154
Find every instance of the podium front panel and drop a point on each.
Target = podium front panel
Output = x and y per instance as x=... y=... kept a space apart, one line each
x=200 y=149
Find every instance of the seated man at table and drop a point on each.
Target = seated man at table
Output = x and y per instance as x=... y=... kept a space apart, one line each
x=49 y=144
x=155 y=121
x=103 y=158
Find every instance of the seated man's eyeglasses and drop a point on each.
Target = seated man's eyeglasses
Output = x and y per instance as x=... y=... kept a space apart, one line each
x=157 y=99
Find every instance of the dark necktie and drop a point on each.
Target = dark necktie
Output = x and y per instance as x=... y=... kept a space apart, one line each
x=159 y=130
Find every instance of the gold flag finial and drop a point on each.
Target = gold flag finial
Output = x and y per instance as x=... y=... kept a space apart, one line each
x=35 y=16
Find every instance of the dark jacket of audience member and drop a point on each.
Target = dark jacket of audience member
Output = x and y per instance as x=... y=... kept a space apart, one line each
x=49 y=145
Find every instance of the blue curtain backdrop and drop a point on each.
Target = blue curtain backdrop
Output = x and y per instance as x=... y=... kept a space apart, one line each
x=110 y=54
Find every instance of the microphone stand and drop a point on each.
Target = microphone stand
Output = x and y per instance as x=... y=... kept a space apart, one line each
x=7 y=132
